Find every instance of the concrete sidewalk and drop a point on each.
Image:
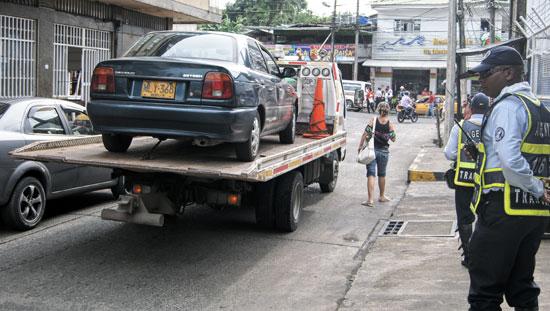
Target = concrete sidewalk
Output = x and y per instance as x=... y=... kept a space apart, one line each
x=429 y=165
x=416 y=266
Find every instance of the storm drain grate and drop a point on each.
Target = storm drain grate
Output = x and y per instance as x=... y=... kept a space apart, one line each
x=419 y=228
x=393 y=227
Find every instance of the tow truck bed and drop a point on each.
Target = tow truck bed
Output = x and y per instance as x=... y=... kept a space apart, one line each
x=173 y=156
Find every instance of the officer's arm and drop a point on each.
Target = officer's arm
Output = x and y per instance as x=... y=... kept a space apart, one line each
x=452 y=145
x=510 y=119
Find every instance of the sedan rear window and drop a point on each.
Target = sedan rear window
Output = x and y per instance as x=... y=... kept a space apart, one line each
x=3 y=108
x=185 y=45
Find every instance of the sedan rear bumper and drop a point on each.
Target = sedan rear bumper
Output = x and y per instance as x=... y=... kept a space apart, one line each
x=171 y=120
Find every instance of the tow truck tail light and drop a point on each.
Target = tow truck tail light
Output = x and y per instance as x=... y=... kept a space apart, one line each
x=217 y=85
x=103 y=80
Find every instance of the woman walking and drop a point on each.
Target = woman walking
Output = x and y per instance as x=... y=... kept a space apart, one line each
x=383 y=133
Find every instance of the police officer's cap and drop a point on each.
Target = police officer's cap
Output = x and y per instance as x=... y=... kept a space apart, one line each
x=480 y=102
x=497 y=56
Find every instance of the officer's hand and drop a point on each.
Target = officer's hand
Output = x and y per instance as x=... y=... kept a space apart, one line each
x=546 y=196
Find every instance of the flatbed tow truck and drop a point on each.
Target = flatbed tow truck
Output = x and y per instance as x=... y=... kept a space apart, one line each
x=163 y=178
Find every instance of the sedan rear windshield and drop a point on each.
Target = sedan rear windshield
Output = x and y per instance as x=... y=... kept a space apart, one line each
x=3 y=108
x=185 y=45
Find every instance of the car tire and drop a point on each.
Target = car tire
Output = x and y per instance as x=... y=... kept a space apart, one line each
x=400 y=116
x=248 y=150
x=414 y=117
x=349 y=104
x=288 y=135
x=329 y=177
x=116 y=142
x=288 y=201
x=26 y=206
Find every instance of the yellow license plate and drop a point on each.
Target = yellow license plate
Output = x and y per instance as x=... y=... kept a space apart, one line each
x=158 y=89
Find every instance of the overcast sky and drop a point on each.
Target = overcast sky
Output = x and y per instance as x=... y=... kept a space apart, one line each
x=318 y=9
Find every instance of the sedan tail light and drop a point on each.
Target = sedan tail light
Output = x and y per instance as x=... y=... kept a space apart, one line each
x=217 y=85
x=103 y=80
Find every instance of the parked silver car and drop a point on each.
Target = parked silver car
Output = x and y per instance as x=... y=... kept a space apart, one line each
x=27 y=184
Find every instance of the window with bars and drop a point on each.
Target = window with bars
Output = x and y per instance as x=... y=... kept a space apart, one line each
x=17 y=57
x=76 y=52
x=406 y=25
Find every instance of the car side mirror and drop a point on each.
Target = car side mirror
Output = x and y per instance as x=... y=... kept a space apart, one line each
x=289 y=72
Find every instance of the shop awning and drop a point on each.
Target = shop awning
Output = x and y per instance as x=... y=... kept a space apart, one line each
x=410 y=64
x=405 y=64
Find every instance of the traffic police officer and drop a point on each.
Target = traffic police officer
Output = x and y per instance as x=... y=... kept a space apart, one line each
x=465 y=167
x=510 y=199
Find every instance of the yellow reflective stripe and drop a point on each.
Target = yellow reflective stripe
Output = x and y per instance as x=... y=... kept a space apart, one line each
x=535 y=148
x=520 y=212
x=467 y=165
x=464 y=184
x=490 y=170
x=493 y=185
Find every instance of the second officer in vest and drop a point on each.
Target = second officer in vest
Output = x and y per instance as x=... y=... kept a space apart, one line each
x=465 y=167
x=510 y=199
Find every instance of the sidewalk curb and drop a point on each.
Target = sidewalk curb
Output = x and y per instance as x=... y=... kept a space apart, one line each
x=416 y=174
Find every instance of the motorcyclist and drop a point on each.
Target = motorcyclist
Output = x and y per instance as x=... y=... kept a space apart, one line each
x=406 y=103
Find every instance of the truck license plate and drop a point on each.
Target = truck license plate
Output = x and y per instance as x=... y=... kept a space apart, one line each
x=158 y=89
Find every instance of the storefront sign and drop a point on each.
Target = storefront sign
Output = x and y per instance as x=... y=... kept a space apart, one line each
x=307 y=52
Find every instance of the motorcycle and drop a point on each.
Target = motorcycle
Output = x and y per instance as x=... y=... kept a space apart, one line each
x=402 y=114
x=358 y=102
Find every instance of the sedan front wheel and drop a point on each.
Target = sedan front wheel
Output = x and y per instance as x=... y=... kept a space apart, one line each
x=26 y=206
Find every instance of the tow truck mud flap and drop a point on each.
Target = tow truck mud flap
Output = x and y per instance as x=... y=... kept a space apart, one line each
x=132 y=209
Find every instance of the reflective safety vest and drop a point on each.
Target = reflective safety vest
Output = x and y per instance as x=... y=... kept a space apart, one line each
x=535 y=148
x=465 y=167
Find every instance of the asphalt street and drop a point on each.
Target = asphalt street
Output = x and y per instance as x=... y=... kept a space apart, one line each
x=207 y=259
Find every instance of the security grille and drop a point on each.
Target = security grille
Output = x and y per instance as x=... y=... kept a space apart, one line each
x=542 y=65
x=93 y=45
x=17 y=57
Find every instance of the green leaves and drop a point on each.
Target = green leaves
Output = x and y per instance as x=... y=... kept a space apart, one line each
x=264 y=13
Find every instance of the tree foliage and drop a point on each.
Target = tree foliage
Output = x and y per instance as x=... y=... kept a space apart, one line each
x=264 y=13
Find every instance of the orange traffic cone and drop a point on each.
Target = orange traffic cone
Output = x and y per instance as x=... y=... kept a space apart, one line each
x=317 y=124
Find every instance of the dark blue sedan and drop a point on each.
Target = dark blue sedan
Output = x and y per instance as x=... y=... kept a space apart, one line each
x=206 y=86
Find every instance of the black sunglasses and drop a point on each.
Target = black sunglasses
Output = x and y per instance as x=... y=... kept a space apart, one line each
x=487 y=73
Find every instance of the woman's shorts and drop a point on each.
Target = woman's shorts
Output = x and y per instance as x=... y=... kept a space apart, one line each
x=380 y=164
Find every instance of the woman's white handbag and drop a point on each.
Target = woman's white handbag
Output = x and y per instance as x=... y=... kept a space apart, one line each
x=367 y=155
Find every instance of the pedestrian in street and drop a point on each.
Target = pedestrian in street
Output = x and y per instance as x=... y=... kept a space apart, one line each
x=509 y=199
x=431 y=103
x=370 y=101
x=378 y=96
x=384 y=132
x=465 y=167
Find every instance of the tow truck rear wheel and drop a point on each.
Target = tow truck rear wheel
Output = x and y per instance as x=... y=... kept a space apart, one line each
x=263 y=204
x=288 y=201
x=116 y=142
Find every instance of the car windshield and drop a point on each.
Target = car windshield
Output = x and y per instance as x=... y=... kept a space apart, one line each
x=351 y=86
x=3 y=108
x=202 y=46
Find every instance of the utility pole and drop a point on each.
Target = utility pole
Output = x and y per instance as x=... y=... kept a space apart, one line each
x=356 y=58
x=451 y=71
x=333 y=33
x=492 y=9
x=513 y=18
x=462 y=61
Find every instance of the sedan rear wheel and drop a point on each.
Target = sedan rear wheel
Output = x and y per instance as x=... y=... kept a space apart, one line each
x=248 y=150
x=288 y=135
x=26 y=206
x=116 y=142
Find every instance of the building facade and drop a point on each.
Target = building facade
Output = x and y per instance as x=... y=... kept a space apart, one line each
x=49 y=48
x=301 y=42
x=410 y=42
